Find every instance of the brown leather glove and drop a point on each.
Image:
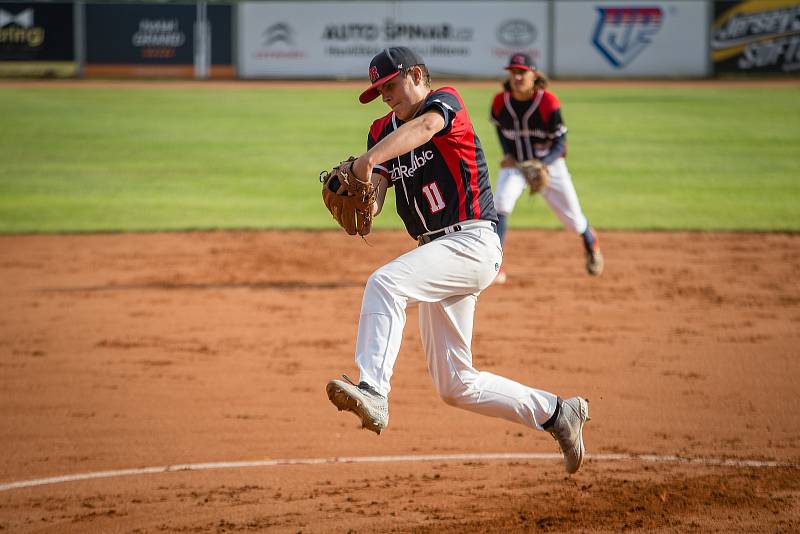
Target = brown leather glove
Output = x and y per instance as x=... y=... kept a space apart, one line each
x=349 y=199
x=536 y=174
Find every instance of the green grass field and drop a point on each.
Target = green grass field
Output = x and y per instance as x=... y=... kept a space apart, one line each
x=153 y=158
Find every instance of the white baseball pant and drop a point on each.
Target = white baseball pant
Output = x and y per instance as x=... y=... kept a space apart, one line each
x=560 y=194
x=444 y=277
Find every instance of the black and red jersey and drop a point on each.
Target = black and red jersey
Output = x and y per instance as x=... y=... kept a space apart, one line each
x=446 y=180
x=530 y=129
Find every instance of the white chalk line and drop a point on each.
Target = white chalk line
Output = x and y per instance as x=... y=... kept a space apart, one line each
x=387 y=459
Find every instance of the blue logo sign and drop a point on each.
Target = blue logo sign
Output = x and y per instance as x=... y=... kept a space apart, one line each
x=623 y=32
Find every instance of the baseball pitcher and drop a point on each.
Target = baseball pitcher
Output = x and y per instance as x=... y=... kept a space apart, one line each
x=426 y=148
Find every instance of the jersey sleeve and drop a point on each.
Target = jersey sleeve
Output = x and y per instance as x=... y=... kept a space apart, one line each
x=506 y=144
x=556 y=129
x=550 y=110
x=446 y=104
x=498 y=103
x=497 y=108
x=556 y=124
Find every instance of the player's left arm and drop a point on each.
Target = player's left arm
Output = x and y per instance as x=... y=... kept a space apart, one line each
x=381 y=187
x=557 y=132
x=406 y=138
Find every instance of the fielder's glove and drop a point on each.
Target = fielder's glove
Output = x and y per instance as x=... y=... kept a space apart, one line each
x=535 y=173
x=349 y=199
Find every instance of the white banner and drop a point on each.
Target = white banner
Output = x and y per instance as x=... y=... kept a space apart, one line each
x=618 y=39
x=338 y=39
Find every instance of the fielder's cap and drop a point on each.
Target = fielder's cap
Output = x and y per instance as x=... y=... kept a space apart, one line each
x=386 y=66
x=521 y=61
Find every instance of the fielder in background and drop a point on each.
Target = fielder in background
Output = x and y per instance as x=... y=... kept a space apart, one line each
x=532 y=131
x=427 y=149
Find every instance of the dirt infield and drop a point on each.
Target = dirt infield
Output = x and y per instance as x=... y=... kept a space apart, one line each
x=128 y=351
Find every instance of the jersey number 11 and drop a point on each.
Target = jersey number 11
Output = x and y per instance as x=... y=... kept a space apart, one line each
x=434 y=196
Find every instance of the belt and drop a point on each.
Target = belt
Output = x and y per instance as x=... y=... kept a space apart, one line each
x=466 y=225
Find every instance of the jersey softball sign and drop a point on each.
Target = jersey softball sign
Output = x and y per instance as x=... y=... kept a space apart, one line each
x=756 y=36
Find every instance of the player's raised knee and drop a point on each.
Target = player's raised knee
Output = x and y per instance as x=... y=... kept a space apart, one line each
x=380 y=281
x=458 y=395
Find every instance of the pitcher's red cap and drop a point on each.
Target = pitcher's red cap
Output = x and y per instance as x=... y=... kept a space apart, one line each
x=385 y=66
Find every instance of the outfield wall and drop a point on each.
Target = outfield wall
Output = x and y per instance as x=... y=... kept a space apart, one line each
x=37 y=39
x=279 y=39
x=336 y=39
x=593 y=38
x=597 y=38
x=149 y=40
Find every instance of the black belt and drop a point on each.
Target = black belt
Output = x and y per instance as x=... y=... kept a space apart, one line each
x=427 y=238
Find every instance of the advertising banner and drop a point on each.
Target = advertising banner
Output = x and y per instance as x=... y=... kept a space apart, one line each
x=153 y=40
x=338 y=39
x=615 y=39
x=37 y=39
x=756 y=36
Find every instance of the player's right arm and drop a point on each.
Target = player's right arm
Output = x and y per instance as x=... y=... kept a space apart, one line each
x=406 y=138
x=505 y=144
x=508 y=152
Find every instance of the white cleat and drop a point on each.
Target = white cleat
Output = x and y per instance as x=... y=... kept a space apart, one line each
x=594 y=262
x=568 y=431
x=361 y=399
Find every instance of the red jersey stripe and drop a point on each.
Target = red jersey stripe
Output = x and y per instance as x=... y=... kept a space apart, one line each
x=454 y=165
x=471 y=159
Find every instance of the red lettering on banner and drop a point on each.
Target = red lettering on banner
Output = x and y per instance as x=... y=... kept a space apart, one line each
x=158 y=52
